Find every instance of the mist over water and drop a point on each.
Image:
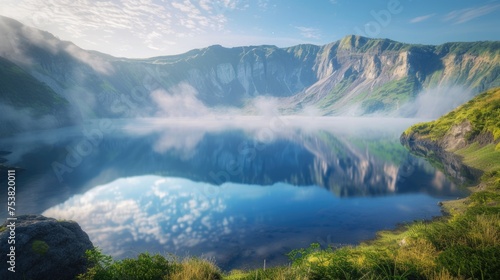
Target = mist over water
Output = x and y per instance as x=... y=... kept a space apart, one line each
x=23 y=119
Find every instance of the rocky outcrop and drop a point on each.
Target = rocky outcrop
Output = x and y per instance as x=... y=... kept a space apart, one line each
x=439 y=153
x=44 y=248
x=456 y=137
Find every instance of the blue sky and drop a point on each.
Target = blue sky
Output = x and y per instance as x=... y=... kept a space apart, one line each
x=145 y=28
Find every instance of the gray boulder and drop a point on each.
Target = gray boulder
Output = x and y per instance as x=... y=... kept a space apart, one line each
x=45 y=248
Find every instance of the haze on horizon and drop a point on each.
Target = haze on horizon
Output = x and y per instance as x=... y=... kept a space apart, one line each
x=130 y=28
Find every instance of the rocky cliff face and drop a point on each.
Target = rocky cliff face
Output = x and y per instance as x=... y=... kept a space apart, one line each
x=373 y=75
x=436 y=152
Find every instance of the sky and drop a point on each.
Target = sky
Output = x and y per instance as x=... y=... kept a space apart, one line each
x=147 y=28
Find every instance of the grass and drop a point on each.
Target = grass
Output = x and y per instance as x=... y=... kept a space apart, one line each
x=336 y=93
x=195 y=268
x=486 y=158
x=390 y=94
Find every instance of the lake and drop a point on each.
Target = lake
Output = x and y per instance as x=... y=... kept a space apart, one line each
x=240 y=190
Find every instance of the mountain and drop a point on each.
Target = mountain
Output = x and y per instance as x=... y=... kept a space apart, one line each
x=379 y=74
x=368 y=75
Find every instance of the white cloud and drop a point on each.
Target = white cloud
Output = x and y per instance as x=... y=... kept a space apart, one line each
x=465 y=15
x=421 y=18
x=206 y=5
x=263 y=4
x=309 y=32
x=145 y=21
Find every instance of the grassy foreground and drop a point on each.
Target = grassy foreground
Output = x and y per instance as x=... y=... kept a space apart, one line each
x=463 y=245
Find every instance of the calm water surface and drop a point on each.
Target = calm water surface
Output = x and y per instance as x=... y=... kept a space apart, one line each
x=237 y=190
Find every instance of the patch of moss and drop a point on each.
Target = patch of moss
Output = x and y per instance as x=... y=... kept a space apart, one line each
x=40 y=247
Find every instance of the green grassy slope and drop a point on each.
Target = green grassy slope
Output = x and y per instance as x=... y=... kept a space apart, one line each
x=26 y=102
x=482 y=112
x=21 y=90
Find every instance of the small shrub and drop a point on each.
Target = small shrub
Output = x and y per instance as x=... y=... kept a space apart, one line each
x=99 y=265
x=145 y=267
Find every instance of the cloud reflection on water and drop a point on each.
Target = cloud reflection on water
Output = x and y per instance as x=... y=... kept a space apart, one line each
x=148 y=208
x=239 y=223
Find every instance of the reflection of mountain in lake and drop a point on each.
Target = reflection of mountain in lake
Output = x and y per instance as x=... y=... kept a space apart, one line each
x=344 y=163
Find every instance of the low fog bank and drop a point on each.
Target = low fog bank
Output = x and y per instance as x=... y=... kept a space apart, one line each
x=182 y=101
x=181 y=107
x=435 y=102
x=183 y=118
x=184 y=134
x=14 y=120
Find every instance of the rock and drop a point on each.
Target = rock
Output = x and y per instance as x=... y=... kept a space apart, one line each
x=450 y=163
x=45 y=248
x=456 y=137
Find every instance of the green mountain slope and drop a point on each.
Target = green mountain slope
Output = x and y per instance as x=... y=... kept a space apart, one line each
x=471 y=131
x=28 y=103
x=21 y=90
